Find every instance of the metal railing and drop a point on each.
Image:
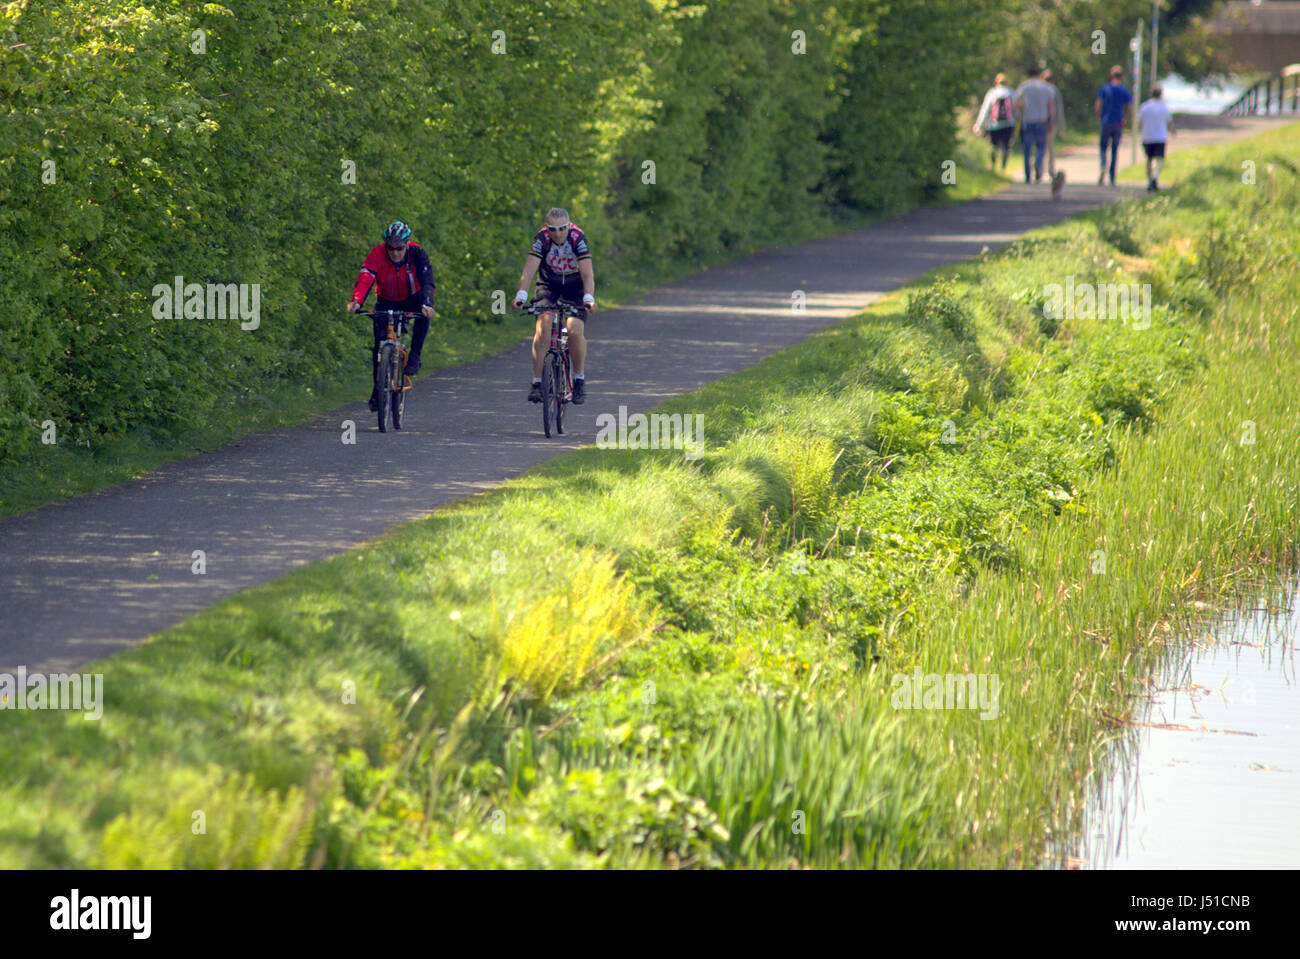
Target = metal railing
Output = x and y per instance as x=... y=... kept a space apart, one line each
x=1270 y=95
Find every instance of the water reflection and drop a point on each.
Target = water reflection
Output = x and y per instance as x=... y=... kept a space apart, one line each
x=1207 y=776
x=1184 y=96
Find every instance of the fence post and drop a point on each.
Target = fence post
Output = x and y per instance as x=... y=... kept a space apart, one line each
x=1136 y=46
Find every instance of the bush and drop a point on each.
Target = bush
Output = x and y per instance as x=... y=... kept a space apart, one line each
x=631 y=812
x=552 y=646
x=939 y=306
x=143 y=151
x=217 y=820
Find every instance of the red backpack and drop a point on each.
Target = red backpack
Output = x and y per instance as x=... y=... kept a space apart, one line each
x=1002 y=110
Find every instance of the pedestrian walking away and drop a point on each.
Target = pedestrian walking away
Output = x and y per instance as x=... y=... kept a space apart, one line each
x=1114 y=108
x=1036 y=106
x=1156 y=125
x=997 y=117
x=1056 y=126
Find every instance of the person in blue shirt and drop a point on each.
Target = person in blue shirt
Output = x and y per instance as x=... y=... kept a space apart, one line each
x=1114 y=107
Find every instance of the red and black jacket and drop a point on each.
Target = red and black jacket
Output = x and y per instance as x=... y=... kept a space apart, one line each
x=396 y=282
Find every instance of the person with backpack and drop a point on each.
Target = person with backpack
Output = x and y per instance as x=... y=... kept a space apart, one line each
x=1114 y=108
x=998 y=118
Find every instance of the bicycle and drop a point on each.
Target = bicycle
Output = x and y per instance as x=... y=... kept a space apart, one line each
x=391 y=381
x=557 y=371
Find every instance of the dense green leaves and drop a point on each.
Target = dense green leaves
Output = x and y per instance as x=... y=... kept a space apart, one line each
x=266 y=144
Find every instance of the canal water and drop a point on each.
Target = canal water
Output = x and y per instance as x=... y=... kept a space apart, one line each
x=1185 y=97
x=1208 y=775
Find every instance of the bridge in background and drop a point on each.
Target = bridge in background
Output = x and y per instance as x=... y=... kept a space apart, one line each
x=1261 y=35
x=1277 y=94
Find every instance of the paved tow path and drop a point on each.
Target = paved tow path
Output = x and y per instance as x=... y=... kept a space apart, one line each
x=97 y=574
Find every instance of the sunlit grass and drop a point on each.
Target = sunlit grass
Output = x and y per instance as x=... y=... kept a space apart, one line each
x=590 y=616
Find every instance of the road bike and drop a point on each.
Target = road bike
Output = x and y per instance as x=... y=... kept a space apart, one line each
x=557 y=371
x=391 y=381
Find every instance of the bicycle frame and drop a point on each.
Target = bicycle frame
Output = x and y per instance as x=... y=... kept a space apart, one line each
x=560 y=350
x=391 y=357
x=397 y=327
x=557 y=358
x=560 y=336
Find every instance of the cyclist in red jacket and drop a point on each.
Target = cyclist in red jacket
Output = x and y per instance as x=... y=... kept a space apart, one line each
x=400 y=270
x=561 y=260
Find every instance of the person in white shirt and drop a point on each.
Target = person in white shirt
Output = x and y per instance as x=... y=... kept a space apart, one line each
x=997 y=116
x=1156 y=125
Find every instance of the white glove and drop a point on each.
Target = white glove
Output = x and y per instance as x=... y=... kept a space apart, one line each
x=521 y=296
x=588 y=298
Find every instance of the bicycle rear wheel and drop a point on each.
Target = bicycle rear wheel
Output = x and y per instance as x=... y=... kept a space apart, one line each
x=384 y=383
x=550 y=396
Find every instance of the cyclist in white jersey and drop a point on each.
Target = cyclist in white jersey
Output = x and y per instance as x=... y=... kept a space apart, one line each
x=561 y=261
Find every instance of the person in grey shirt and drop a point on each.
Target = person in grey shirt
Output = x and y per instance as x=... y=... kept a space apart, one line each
x=1036 y=105
x=1056 y=126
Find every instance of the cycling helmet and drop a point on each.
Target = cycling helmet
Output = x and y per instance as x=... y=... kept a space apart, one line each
x=397 y=232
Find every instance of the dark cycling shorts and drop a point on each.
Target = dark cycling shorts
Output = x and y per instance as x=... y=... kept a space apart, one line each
x=1154 y=150
x=570 y=289
x=1001 y=138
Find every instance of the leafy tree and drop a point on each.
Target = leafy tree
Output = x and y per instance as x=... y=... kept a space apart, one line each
x=1080 y=42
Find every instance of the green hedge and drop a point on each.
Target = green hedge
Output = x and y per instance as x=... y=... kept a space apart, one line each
x=225 y=164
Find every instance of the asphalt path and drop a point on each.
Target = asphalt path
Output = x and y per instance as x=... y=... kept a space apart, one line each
x=97 y=574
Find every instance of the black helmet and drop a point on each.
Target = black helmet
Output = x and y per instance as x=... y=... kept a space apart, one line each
x=397 y=232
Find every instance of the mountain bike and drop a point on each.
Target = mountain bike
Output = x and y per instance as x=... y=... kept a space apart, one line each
x=391 y=381
x=557 y=371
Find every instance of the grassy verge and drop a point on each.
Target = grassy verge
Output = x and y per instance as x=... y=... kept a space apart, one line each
x=61 y=471
x=631 y=658
x=1247 y=161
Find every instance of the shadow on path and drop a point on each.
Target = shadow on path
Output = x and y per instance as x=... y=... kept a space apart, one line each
x=94 y=575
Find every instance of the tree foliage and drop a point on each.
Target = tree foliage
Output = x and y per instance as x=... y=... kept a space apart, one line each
x=143 y=141
x=1081 y=41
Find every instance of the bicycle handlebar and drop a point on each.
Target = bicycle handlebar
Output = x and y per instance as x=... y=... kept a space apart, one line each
x=405 y=314
x=568 y=307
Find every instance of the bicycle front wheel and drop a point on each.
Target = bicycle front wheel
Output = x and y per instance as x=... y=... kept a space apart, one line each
x=384 y=383
x=550 y=397
x=562 y=382
x=399 y=407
